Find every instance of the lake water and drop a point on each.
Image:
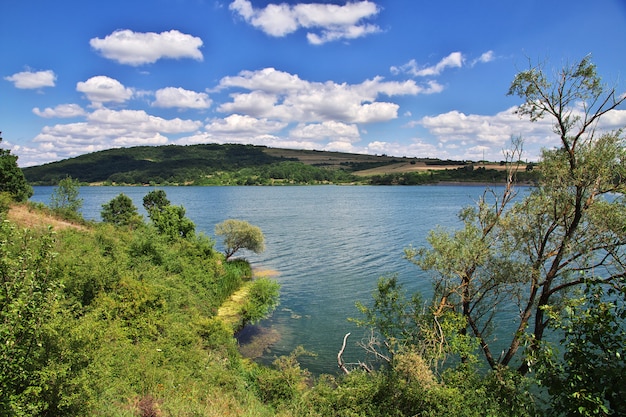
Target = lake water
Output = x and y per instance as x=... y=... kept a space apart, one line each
x=328 y=245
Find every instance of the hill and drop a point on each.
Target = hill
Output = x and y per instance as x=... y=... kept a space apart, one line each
x=233 y=164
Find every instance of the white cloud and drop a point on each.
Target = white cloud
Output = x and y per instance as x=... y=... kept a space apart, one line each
x=135 y=48
x=333 y=22
x=613 y=120
x=181 y=98
x=329 y=130
x=472 y=136
x=238 y=128
x=33 y=80
x=60 y=111
x=415 y=148
x=237 y=124
x=102 y=89
x=279 y=95
x=105 y=129
x=484 y=58
x=453 y=60
x=140 y=121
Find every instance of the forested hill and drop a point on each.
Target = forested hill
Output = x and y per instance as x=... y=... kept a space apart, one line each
x=233 y=164
x=185 y=164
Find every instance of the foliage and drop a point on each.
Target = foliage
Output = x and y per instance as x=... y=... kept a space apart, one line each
x=5 y=203
x=589 y=378
x=283 y=384
x=28 y=297
x=407 y=327
x=171 y=221
x=263 y=298
x=533 y=251
x=155 y=200
x=116 y=321
x=239 y=234
x=387 y=394
x=121 y=211
x=12 y=178
x=66 y=200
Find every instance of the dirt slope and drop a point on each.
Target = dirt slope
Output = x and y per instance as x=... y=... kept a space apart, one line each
x=24 y=216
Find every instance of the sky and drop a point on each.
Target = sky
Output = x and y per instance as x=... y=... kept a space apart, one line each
x=408 y=78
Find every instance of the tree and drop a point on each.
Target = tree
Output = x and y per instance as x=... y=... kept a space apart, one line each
x=239 y=234
x=65 y=198
x=12 y=178
x=120 y=211
x=566 y=234
x=155 y=200
x=171 y=221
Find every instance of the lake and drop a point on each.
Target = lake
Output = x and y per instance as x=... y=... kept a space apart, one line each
x=327 y=244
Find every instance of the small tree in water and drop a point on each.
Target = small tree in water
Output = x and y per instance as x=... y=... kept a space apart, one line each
x=239 y=234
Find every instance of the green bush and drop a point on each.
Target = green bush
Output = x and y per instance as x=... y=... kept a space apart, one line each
x=263 y=298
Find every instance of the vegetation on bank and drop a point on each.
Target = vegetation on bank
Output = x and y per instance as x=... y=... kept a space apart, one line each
x=120 y=318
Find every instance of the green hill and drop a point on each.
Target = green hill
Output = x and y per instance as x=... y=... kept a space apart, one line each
x=233 y=164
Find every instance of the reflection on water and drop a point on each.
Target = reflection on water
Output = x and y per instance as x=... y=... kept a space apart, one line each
x=328 y=245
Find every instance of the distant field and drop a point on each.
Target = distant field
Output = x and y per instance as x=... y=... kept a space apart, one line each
x=333 y=159
x=388 y=164
x=400 y=167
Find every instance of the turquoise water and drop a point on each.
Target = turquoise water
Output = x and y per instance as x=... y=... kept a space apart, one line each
x=328 y=244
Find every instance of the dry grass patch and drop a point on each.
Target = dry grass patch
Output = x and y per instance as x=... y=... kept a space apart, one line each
x=25 y=216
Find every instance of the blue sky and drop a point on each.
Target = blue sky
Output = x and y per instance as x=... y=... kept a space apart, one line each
x=396 y=77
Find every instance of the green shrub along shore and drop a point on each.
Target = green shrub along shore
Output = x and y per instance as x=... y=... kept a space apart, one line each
x=122 y=317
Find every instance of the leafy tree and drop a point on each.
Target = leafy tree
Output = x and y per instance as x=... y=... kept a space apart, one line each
x=239 y=234
x=12 y=178
x=155 y=200
x=120 y=211
x=566 y=233
x=66 y=199
x=171 y=221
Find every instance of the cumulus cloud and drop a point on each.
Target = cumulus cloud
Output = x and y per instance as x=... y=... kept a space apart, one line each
x=60 y=111
x=140 y=121
x=33 y=79
x=238 y=128
x=136 y=48
x=283 y=96
x=237 y=124
x=327 y=22
x=181 y=98
x=474 y=135
x=329 y=130
x=106 y=128
x=102 y=89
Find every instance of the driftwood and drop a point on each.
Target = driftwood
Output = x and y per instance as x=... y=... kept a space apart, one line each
x=342 y=364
